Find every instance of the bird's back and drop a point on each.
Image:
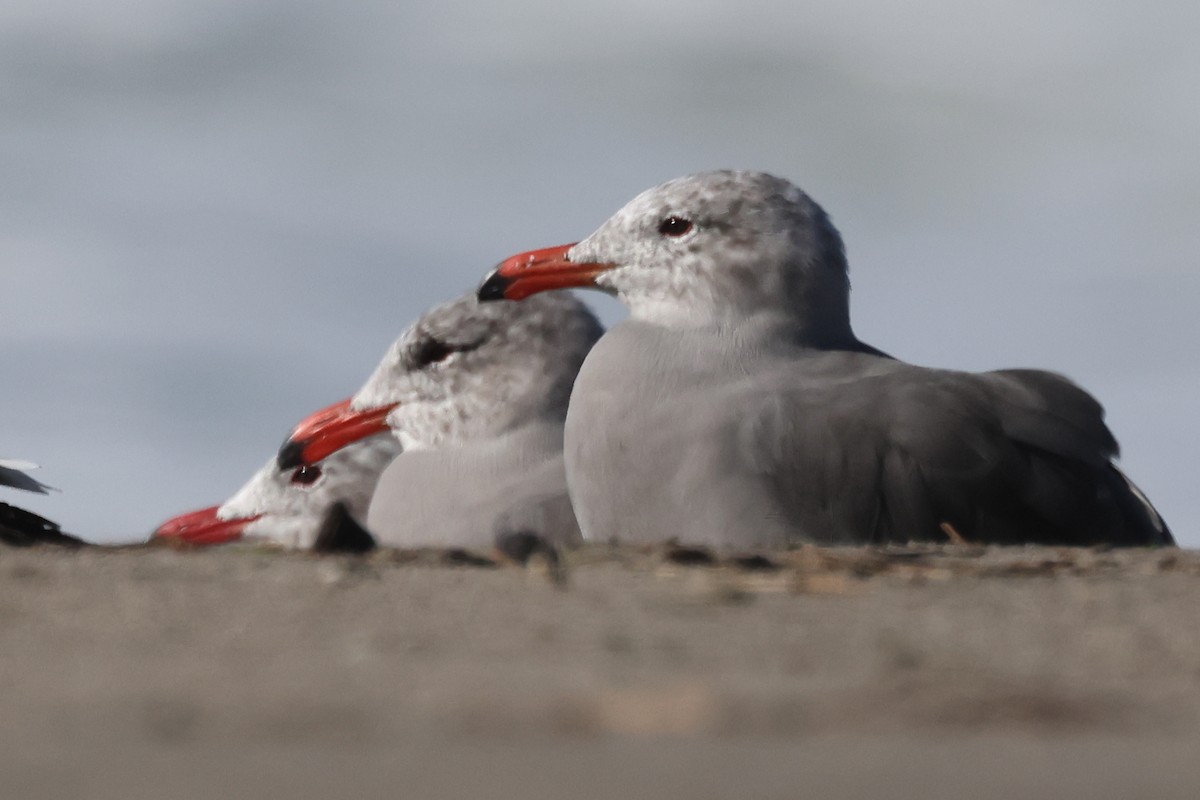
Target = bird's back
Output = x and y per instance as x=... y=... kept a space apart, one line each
x=725 y=440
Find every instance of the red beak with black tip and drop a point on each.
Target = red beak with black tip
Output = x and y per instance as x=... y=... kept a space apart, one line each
x=536 y=271
x=201 y=528
x=329 y=430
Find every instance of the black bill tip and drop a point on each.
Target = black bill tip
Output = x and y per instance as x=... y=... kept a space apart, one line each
x=493 y=287
x=291 y=454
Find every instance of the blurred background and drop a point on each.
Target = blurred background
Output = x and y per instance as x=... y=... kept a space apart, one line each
x=215 y=216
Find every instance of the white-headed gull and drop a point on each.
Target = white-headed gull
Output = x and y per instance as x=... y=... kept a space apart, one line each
x=476 y=395
x=286 y=506
x=737 y=408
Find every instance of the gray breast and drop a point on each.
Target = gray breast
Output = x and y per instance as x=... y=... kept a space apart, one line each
x=645 y=442
x=469 y=494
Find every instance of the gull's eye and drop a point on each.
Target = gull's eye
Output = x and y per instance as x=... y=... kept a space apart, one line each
x=306 y=475
x=674 y=226
x=433 y=351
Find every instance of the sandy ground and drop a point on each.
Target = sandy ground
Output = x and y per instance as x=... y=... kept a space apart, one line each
x=824 y=673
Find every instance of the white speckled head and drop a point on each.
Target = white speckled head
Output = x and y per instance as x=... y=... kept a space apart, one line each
x=716 y=246
x=466 y=370
x=290 y=504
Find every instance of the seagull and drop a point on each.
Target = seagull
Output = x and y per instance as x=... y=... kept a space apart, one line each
x=476 y=396
x=19 y=527
x=13 y=473
x=286 y=506
x=736 y=408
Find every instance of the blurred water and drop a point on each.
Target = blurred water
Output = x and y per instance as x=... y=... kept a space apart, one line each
x=214 y=216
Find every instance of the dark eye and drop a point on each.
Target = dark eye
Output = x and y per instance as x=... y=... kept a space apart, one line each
x=674 y=226
x=433 y=351
x=306 y=475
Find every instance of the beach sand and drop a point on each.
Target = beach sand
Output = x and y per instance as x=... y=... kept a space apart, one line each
x=927 y=672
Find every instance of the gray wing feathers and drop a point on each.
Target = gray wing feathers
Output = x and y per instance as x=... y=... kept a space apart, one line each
x=1050 y=412
x=1012 y=456
x=1135 y=505
x=16 y=478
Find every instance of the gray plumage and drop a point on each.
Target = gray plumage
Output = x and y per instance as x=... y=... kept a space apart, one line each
x=481 y=428
x=289 y=513
x=469 y=493
x=13 y=473
x=737 y=408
